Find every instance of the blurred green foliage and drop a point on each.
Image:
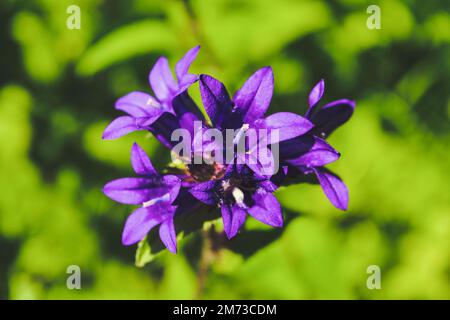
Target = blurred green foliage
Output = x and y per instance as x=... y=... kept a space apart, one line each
x=57 y=89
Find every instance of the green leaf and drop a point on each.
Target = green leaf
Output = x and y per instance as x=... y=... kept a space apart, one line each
x=143 y=254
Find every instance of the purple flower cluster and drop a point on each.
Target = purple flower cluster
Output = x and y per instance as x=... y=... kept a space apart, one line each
x=237 y=188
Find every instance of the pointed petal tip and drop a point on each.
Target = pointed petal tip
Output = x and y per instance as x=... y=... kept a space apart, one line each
x=352 y=103
x=173 y=250
x=230 y=235
x=105 y=136
x=315 y=95
x=267 y=69
x=343 y=206
x=126 y=240
x=321 y=84
x=204 y=77
x=279 y=223
x=106 y=189
x=161 y=59
x=140 y=161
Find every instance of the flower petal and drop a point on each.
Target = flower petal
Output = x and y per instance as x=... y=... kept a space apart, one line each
x=182 y=67
x=287 y=124
x=293 y=148
x=140 y=222
x=259 y=159
x=266 y=209
x=163 y=127
x=233 y=218
x=140 y=161
x=120 y=127
x=204 y=192
x=186 y=111
x=332 y=115
x=174 y=183
x=253 y=99
x=314 y=96
x=333 y=187
x=320 y=154
x=161 y=80
x=139 y=190
x=139 y=104
x=216 y=100
x=168 y=235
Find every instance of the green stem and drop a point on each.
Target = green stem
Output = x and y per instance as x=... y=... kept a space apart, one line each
x=206 y=259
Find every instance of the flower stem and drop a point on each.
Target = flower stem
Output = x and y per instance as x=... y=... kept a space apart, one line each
x=206 y=258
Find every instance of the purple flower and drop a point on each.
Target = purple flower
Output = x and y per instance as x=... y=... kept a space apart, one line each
x=329 y=117
x=238 y=188
x=310 y=153
x=154 y=192
x=249 y=105
x=246 y=111
x=238 y=193
x=246 y=189
x=142 y=109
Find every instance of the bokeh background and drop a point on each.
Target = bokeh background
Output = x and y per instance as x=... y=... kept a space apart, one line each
x=57 y=90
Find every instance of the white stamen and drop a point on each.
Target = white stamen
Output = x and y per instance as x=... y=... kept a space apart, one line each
x=152 y=102
x=240 y=133
x=151 y=202
x=238 y=195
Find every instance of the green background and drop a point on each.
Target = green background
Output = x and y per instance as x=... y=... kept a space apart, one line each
x=57 y=91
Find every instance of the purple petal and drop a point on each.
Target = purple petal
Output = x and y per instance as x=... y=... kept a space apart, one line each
x=266 y=209
x=334 y=188
x=139 y=104
x=120 y=127
x=140 y=190
x=320 y=154
x=289 y=125
x=168 y=235
x=253 y=99
x=174 y=183
x=186 y=111
x=268 y=185
x=163 y=127
x=259 y=159
x=314 y=96
x=204 y=192
x=161 y=80
x=182 y=67
x=215 y=99
x=140 y=222
x=331 y=116
x=140 y=161
x=233 y=218
x=293 y=148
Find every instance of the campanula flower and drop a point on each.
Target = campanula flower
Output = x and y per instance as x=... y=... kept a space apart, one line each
x=246 y=112
x=310 y=153
x=240 y=187
x=238 y=193
x=154 y=193
x=143 y=110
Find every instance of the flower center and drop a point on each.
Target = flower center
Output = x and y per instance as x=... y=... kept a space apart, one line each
x=238 y=190
x=206 y=172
